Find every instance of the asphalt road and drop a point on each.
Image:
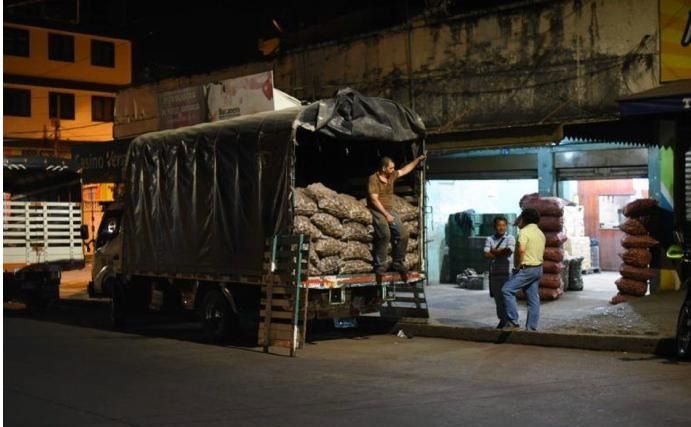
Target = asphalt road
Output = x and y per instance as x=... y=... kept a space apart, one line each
x=68 y=369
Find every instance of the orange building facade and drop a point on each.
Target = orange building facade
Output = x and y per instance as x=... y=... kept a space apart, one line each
x=59 y=88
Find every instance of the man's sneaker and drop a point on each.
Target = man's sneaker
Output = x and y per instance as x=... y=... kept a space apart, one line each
x=399 y=268
x=380 y=270
x=510 y=326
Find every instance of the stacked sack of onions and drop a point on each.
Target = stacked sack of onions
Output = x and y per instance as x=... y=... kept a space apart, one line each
x=551 y=210
x=341 y=232
x=635 y=270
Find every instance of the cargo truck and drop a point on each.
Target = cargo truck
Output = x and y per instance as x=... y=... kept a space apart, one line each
x=205 y=218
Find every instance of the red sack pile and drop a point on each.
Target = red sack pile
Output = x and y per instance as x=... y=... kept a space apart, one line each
x=551 y=210
x=635 y=271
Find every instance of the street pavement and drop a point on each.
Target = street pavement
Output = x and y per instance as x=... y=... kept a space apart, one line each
x=67 y=368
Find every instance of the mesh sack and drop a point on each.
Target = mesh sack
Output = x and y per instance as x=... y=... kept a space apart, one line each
x=412 y=261
x=406 y=211
x=303 y=225
x=330 y=265
x=551 y=267
x=555 y=239
x=633 y=227
x=630 y=242
x=636 y=273
x=554 y=254
x=552 y=281
x=327 y=246
x=548 y=206
x=637 y=257
x=551 y=223
x=575 y=274
x=358 y=232
x=304 y=205
x=355 y=266
x=328 y=224
x=549 y=294
x=413 y=227
x=640 y=207
x=631 y=287
x=619 y=298
x=356 y=250
x=412 y=245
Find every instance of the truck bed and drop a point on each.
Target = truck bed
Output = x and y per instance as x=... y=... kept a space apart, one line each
x=360 y=280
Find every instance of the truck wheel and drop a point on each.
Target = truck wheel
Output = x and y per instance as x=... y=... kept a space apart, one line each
x=217 y=317
x=118 y=306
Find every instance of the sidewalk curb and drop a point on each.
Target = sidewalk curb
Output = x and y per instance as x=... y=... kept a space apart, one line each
x=660 y=346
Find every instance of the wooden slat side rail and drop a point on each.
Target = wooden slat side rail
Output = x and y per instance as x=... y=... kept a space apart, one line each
x=283 y=306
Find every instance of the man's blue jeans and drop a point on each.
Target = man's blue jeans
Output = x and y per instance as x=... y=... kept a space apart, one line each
x=528 y=280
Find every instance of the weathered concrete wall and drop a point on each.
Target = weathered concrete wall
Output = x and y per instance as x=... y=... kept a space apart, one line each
x=529 y=63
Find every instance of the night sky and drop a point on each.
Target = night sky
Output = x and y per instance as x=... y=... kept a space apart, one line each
x=185 y=37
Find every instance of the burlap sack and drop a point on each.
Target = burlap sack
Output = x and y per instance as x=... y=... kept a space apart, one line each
x=630 y=242
x=303 y=225
x=330 y=265
x=554 y=254
x=551 y=267
x=356 y=211
x=413 y=227
x=638 y=257
x=314 y=257
x=318 y=191
x=327 y=246
x=356 y=250
x=633 y=227
x=549 y=294
x=328 y=224
x=548 y=206
x=631 y=287
x=636 y=273
x=552 y=281
x=334 y=205
x=555 y=239
x=640 y=207
x=355 y=266
x=358 y=232
x=314 y=270
x=406 y=211
x=304 y=205
x=551 y=223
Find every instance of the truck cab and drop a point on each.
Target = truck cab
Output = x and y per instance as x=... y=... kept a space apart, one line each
x=107 y=251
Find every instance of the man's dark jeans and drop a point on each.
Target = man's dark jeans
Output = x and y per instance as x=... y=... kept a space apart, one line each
x=385 y=232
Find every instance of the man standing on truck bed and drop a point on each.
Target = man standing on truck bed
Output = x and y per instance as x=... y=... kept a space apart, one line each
x=387 y=224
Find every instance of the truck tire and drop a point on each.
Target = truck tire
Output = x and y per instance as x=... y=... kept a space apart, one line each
x=118 y=305
x=217 y=317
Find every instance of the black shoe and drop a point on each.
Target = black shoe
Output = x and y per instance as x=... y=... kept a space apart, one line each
x=502 y=324
x=380 y=270
x=399 y=268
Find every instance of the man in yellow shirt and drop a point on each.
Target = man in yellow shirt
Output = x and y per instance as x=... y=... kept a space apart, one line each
x=529 y=252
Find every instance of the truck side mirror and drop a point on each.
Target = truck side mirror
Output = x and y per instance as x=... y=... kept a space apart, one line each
x=84 y=232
